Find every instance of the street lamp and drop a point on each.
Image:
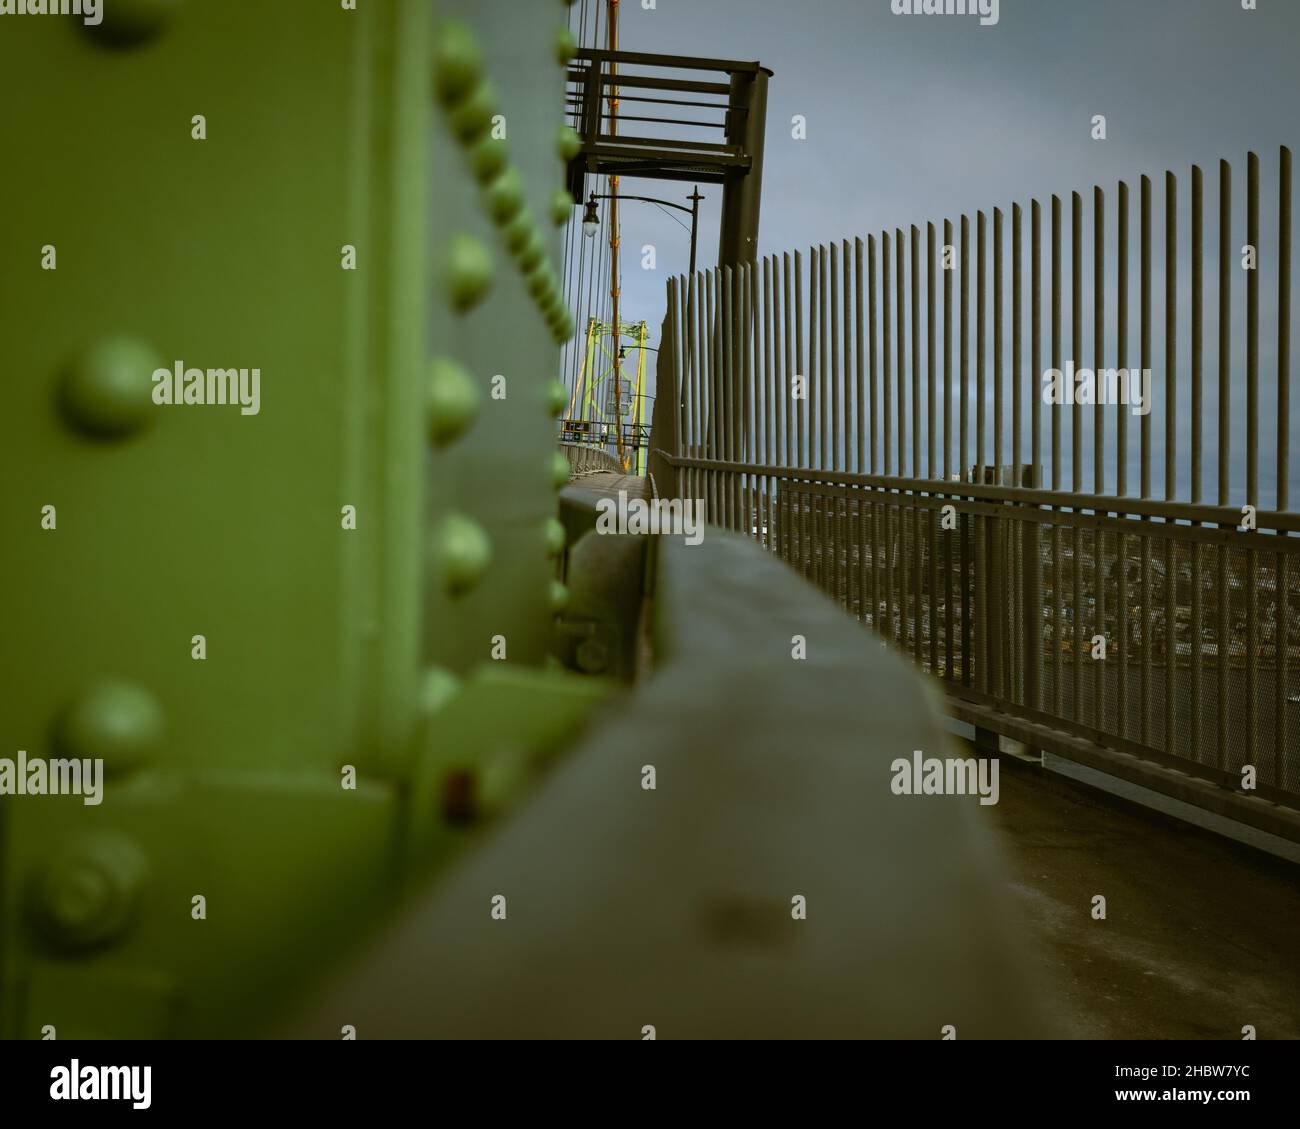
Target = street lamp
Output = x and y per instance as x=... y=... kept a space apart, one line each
x=591 y=218
x=591 y=221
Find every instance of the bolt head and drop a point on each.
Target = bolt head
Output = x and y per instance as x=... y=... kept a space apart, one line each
x=557 y=397
x=488 y=159
x=85 y=897
x=560 y=470
x=469 y=272
x=451 y=401
x=115 y=721
x=566 y=46
x=462 y=553
x=457 y=63
x=505 y=197
x=107 y=389
x=567 y=143
x=471 y=120
x=562 y=205
x=555 y=537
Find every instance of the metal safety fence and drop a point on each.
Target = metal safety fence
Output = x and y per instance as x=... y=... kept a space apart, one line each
x=989 y=510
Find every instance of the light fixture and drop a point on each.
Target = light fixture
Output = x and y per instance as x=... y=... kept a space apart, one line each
x=590 y=220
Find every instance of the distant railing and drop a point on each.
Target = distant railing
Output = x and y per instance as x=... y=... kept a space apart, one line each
x=1166 y=627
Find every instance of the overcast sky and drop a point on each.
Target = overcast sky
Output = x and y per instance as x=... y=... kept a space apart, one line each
x=919 y=118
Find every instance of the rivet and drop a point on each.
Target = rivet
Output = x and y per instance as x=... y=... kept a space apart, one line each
x=540 y=281
x=505 y=197
x=555 y=537
x=518 y=231
x=565 y=46
x=469 y=272
x=107 y=390
x=489 y=158
x=531 y=253
x=462 y=552
x=117 y=722
x=562 y=205
x=559 y=597
x=566 y=329
x=557 y=397
x=458 y=63
x=125 y=23
x=560 y=473
x=472 y=119
x=451 y=401
x=85 y=897
x=567 y=143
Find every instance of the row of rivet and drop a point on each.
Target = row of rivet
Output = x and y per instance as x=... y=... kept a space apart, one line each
x=462 y=549
x=469 y=102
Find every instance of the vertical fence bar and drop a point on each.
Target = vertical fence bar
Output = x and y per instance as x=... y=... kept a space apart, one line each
x=731 y=384
x=758 y=399
x=996 y=547
x=898 y=549
x=914 y=307
x=770 y=418
x=997 y=345
x=781 y=410
x=681 y=350
x=932 y=605
x=947 y=448
x=1196 y=655
x=749 y=330
x=1144 y=696
x=979 y=523
x=1058 y=610
x=825 y=391
x=871 y=335
x=1076 y=447
x=886 y=416
x=791 y=376
x=713 y=345
x=1034 y=530
x=1121 y=452
x=833 y=507
x=1020 y=593
x=836 y=429
x=917 y=551
x=788 y=371
x=799 y=373
x=1099 y=444
x=981 y=270
x=1252 y=457
x=1281 y=769
x=863 y=495
x=813 y=406
x=963 y=428
x=1226 y=252
x=1284 y=330
x=852 y=436
x=861 y=464
x=1171 y=451
x=701 y=363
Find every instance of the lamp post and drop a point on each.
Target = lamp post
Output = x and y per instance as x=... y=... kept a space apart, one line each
x=591 y=218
